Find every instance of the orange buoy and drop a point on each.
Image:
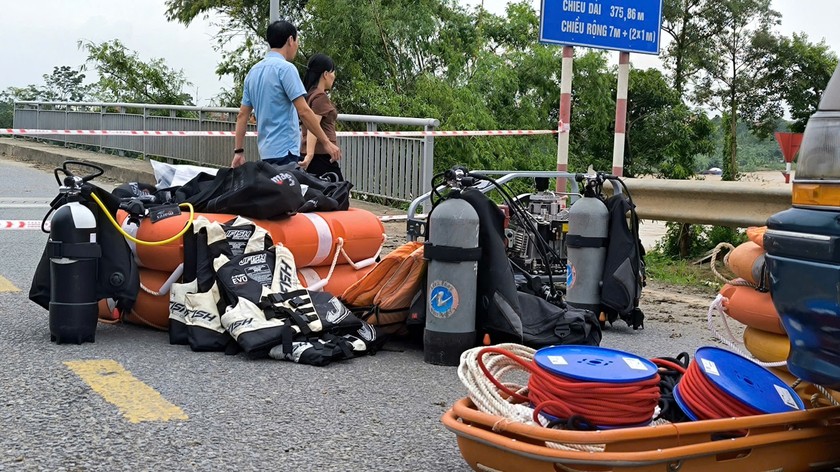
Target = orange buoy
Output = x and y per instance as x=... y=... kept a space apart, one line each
x=747 y=262
x=313 y=238
x=766 y=346
x=756 y=234
x=342 y=277
x=152 y=305
x=752 y=308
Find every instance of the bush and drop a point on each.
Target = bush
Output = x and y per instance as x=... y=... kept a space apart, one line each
x=703 y=239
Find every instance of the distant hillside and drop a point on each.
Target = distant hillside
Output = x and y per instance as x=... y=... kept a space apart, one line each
x=754 y=153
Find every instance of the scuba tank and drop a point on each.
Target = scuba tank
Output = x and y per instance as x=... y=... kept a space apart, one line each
x=586 y=245
x=452 y=274
x=74 y=253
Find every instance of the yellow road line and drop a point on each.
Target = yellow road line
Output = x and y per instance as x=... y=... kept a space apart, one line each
x=136 y=400
x=6 y=286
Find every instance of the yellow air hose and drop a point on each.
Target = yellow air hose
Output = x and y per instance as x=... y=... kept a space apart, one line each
x=138 y=241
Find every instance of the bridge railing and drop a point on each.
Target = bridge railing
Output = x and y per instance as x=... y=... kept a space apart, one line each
x=395 y=168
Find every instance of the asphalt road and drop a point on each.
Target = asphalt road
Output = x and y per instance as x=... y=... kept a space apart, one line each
x=373 y=413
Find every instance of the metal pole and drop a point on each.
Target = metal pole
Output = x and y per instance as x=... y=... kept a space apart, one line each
x=621 y=113
x=565 y=115
x=274 y=10
x=428 y=166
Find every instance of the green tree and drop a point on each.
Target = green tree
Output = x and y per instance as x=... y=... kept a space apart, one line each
x=735 y=79
x=803 y=70
x=663 y=134
x=691 y=24
x=8 y=98
x=593 y=113
x=434 y=59
x=7 y=109
x=468 y=68
x=125 y=77
x=65 y=84
x=241 y=37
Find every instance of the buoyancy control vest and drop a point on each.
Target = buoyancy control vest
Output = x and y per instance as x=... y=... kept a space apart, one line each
x=118 y=276
x=195 y=305
x=624 y=267
x=497 y=308
x=270 y=313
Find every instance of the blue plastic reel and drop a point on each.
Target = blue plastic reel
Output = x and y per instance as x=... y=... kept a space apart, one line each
x=744 y=380
x=595 y=364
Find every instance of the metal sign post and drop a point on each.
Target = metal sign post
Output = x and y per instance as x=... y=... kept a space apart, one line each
x=603 y=24
x=565 y=115
x=274 y=11
x=621 y=113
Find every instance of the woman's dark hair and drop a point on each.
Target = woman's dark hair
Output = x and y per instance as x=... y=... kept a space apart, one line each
x=318 y=64
x=279 y=32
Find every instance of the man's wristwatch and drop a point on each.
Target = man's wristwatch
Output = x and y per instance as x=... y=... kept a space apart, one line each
x=239 y=151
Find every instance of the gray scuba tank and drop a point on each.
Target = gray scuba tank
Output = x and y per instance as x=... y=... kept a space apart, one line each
x=451 y=290
x=586 y=247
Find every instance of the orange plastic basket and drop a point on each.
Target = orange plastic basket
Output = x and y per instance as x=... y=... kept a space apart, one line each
x=795 y=441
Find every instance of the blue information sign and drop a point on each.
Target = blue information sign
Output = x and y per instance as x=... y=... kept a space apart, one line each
x=622 y=25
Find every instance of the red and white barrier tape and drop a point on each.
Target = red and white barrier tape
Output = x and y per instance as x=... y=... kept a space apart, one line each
x=22 y=224
x=113 y=132
x=17 y=225
x=405 y=134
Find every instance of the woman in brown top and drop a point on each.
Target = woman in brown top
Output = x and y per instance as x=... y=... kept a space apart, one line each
x=319 y=78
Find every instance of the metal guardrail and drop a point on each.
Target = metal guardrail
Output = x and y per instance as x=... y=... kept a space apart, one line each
x=738 y=204
x=396 y=168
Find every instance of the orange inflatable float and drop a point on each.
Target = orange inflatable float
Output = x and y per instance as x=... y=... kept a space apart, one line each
x=107 y=311
x=772 y=347
x=747 y=262
x=152 y=305
x=752 y=308
x=756 y=234
x=313 y=238
x=343 y=276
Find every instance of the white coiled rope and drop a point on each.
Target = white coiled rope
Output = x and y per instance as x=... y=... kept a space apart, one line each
x=485 y=395
x=488 y=398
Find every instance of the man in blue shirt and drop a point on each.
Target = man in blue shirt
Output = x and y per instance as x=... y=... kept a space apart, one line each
x=274 y=92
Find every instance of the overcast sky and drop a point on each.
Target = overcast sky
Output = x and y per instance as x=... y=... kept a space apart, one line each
x=40 y=34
